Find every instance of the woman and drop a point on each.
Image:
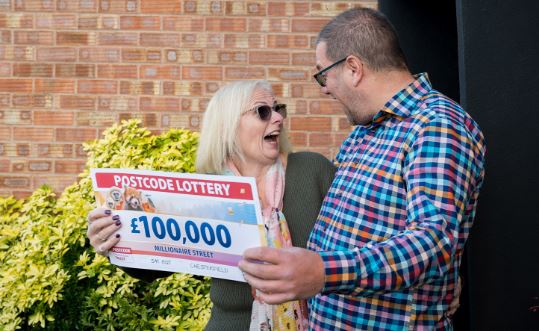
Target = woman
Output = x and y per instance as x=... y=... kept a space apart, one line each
x=243 y=134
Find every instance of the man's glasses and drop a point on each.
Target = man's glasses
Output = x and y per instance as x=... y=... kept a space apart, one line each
x=264 y=111
x=321 y=77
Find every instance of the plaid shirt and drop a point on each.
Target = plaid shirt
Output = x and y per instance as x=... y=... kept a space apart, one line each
x=393 y=225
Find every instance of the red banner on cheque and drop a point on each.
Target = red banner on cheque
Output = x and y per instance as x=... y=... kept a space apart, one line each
x=212 y=188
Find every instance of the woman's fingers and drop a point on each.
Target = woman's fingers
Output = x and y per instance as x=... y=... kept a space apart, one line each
x=101 y=228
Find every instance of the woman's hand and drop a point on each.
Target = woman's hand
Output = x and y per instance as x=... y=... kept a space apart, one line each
x=101 y=227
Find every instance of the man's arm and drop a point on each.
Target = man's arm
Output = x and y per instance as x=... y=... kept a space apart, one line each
x=441 y=171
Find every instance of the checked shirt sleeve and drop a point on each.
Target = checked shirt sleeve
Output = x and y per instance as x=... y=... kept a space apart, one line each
x=442 y=171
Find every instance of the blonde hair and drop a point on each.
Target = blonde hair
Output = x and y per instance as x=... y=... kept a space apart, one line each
x=218 y=140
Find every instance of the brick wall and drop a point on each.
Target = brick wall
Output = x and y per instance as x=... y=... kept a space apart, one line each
x=69 y=69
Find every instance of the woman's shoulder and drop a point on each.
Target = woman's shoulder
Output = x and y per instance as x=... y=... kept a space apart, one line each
x=306 y=157
x=309 y=161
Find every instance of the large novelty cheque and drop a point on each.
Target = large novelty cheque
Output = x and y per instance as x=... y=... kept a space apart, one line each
x=198 y=224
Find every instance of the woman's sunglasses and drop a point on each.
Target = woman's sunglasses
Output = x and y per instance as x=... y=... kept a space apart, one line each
x=264 y=111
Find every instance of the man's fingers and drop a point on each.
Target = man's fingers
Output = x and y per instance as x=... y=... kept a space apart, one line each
x=266 y=254
x=261 y=270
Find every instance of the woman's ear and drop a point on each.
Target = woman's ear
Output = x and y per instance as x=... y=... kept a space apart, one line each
x=356 y=66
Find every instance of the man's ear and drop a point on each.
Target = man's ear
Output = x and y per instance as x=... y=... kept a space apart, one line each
x=356 y=66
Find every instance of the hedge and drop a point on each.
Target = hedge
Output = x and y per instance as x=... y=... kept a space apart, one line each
x=50 y=277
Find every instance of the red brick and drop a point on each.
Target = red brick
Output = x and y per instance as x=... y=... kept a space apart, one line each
x=22 y=150
x=107 y=55
x=5 y=133
x=182 y=23
x=304 y=59
x=202 y=73
x=32 y=101
x=32 y=70
x=56 y=21
x=227 y=57
x=34 y=5
x=160 y=7
x=210 y=40
x=117 y=71
x=203 y=8
x=96 y=119
x=4 y=100
x=74 y=38
x=171 y=72
x=269 y=25
x=182 y=88
x=117 y=103
x=268 y=57
x=298 y=138
x=118 y=6
x=75 y=135
x=320 y=139
x=160 y=39
x=54 y=86
x=68 y=167
x=53 y=118
x=185 y=55
x=288 y=9
x=251 y=41
x=33 y=37
x=306 y=25
x=238 y=73
x=32 y=134
x=300 y=107
x=88 y=22
x=310 y=90
x=15 y=117
x=326 y=107
x=140 y=22
x=56 y=54
x=4 y=165
x=141 y=55
x=226 y=24
x=5 y=37
x=319 y=124
x=97 y=86
x=287 y=41
x=14 y=182
x=287 y=74
x=39 y=165
x=53 y=150
x=17 y=20
x=5 y=70
x=241 y=8
x=118 y=39
x=16 y=85
x=75 y=70
x=87 y=5
x=159 y=104
x=135 y=88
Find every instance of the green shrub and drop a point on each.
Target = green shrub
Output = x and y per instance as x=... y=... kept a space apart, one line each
x=51 y=278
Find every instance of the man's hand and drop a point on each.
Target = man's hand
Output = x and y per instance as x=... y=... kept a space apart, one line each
x=283 y=275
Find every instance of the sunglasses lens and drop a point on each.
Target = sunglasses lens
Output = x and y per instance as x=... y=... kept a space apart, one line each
x=264 y=112
x=321 y=79
x=280 y=108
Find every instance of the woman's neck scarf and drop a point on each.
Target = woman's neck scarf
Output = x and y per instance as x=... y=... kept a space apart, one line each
x=290 y=315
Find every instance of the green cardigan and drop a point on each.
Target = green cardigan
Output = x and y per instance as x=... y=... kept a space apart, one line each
x=308 y=177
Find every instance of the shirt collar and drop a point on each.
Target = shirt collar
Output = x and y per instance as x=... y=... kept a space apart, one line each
x=402 y=103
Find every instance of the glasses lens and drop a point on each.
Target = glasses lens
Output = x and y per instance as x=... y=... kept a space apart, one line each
x=280 y=108
x=321 y=79
x=264 y=112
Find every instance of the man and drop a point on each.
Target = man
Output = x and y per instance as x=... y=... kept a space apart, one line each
x=387 y=245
